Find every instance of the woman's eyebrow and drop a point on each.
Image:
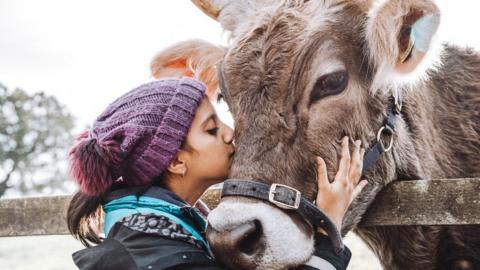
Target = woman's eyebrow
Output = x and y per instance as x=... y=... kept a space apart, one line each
x=210 y=117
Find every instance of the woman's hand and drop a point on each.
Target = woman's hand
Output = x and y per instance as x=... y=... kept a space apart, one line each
x=334 y=198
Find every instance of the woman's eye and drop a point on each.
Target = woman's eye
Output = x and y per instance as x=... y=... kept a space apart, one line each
x=213 y=131
x=329 y=84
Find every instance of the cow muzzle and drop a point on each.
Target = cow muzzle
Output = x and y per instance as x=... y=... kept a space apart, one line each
x=246 y=233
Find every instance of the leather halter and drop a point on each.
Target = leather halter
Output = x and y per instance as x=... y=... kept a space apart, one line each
x=388 y=129
x=291 y=200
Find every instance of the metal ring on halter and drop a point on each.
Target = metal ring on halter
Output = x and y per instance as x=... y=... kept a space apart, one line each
x=379 y=137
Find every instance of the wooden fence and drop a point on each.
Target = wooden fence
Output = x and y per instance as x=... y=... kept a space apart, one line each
x=422 y=202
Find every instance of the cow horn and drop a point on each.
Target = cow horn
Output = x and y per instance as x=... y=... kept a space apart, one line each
x=208 y=8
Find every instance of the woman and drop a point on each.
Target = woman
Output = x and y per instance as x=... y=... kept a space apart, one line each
x=146 y=160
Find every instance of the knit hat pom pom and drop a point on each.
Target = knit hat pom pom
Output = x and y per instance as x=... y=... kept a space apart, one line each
x=94 y=165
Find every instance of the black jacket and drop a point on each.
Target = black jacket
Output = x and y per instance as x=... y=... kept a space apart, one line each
x=133 y=244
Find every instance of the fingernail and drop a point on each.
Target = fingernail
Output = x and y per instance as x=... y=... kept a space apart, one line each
x=358 y=143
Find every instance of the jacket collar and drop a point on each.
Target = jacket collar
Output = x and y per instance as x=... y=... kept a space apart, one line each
x=154 y=191
x=155 y=200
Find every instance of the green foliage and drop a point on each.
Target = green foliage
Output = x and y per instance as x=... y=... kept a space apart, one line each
x=35 y=131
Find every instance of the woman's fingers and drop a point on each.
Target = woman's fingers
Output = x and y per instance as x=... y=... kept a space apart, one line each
x=344 y=166
x=358 y=188
x=322 y=176
x=357 y=163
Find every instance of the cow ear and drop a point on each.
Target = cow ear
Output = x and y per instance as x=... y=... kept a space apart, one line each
x=233 y=15
x=191 y=58
x=400 y=38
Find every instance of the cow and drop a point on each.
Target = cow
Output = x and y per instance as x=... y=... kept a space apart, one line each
x=299 y=75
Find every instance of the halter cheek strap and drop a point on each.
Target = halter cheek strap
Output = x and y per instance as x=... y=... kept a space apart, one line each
x=375 y=151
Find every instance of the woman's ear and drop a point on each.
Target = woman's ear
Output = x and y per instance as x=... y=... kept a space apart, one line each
x=178 y=166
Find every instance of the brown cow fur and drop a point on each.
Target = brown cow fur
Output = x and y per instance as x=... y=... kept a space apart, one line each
x=270 y=70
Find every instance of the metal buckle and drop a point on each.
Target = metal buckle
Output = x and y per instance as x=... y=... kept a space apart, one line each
x=273 y=190
x=379 y=139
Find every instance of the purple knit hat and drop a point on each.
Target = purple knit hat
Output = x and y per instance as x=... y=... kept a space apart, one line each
x=135 y=139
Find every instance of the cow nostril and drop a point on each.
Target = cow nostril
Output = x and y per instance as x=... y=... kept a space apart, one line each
x=251 y=238
x=240 y=245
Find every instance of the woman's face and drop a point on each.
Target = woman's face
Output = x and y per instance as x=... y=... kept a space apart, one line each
x=209 y=146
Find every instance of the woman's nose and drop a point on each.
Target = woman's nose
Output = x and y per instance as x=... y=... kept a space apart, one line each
x=228 y=134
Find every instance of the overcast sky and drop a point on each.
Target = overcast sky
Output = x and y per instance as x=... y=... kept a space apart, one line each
x=89 y=52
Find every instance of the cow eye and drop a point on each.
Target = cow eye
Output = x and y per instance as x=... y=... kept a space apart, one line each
x=329 y=84
x=220 y=96
x=221 y=83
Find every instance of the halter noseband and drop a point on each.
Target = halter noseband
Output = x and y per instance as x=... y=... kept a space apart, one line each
x=286 y=198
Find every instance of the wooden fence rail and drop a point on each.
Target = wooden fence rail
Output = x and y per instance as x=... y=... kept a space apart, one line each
x=422 y=202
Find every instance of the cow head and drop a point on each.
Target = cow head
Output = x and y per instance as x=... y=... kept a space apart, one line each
x=298 y=76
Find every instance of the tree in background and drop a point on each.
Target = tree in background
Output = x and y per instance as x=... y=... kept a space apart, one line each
x=35 y=132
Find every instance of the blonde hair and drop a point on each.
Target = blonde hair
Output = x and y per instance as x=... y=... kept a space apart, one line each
x=192 y=58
